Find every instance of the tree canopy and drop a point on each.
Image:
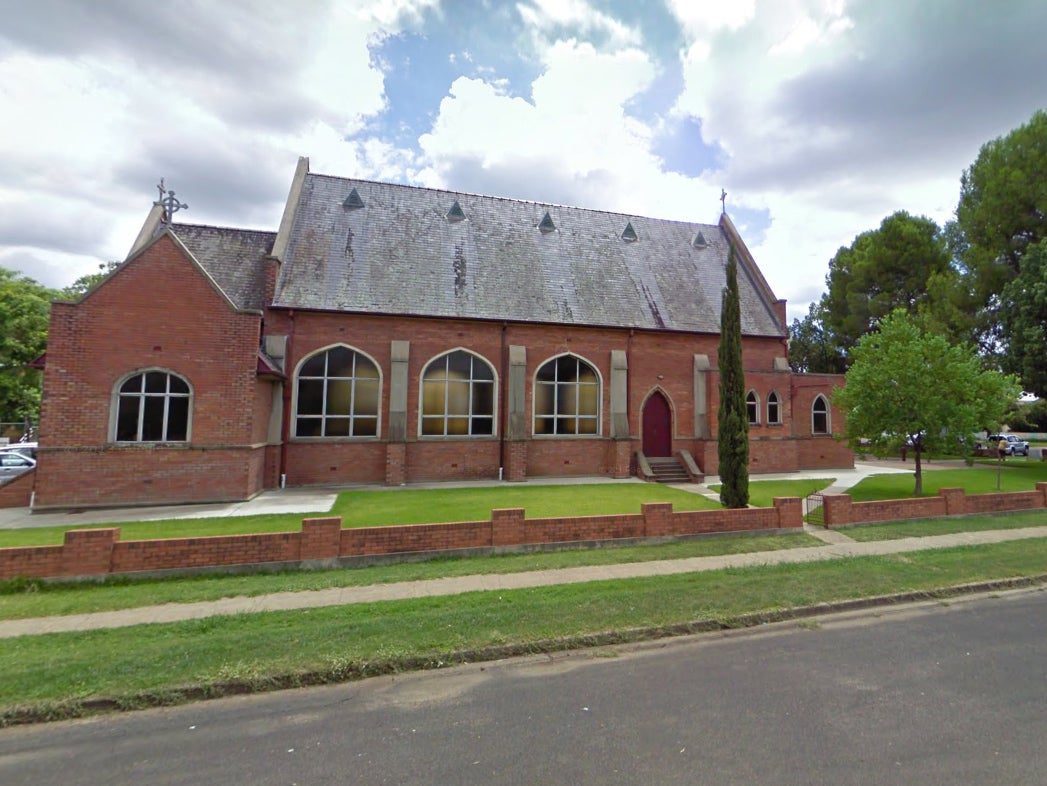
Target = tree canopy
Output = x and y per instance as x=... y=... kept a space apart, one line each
x=908 y=386
x=25 y=307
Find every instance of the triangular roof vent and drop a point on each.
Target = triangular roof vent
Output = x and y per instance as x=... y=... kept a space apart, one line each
x=698 y=241
x=546 y=225
x=455 y=214
x=629 y=234
x=353 y=201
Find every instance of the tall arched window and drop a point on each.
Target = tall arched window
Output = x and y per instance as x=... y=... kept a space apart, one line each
x=752 y=407
x=458 y=396
x=338 y=392
x=153 y=406
x=774 y=408
x=567 y=397
x=820 y=415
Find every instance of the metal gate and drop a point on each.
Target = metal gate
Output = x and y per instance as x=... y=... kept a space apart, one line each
x=813 y=510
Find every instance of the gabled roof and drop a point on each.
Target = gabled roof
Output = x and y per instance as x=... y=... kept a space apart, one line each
x=234 y=258
x=360 y=246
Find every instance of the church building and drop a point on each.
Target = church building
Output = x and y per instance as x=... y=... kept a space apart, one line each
x=389 y=334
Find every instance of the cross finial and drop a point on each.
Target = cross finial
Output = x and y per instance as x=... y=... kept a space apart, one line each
x=723 y=200
x=168 y=202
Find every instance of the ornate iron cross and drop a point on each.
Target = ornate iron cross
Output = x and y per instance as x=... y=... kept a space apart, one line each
x=168 y=202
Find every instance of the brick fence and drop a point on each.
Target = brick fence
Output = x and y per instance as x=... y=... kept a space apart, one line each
x=322 y=541
x=840 y=509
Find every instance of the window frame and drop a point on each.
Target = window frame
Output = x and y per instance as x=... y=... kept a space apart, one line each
x=752 y=407
x=118 y=396
x=597 y=417
x=323 y=416
x=826 y=413
x=774 y=399
x=472 y=382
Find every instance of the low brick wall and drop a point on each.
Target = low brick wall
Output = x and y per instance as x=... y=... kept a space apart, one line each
x=94 y=552
x=18 y=492
x=841 y=510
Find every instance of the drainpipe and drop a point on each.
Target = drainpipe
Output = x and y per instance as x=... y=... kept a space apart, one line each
x=285 y=426
x=503 y=414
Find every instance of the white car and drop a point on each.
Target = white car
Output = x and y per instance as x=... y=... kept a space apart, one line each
x=27 y=449
x=13 y=464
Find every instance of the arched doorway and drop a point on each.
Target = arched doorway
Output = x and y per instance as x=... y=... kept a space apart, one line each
x=657 y=426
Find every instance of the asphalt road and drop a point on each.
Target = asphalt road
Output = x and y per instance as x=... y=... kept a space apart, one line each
x=927 y=694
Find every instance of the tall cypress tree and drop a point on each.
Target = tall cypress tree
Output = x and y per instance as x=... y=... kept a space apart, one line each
x=733 y=422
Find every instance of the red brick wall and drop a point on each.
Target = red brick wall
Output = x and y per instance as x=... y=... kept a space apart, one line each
x=17 y=493
x=100 y=551
x=158 y=311
x=839 y=509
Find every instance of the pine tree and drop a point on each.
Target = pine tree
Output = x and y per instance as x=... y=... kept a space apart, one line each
x=733 y=421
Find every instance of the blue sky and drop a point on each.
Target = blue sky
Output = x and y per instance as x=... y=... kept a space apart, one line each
x=818 y=117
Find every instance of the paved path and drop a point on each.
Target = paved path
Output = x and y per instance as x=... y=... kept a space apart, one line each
x=283 y=601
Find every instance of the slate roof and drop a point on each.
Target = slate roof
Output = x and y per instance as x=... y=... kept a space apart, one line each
x=235 y=259
x=407 y=251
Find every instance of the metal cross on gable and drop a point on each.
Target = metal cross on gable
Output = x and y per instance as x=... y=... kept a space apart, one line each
x=723 y=200
x=168 y=202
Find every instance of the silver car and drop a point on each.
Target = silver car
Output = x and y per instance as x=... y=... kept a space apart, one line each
x=13 y=464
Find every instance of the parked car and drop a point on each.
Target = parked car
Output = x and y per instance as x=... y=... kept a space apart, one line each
x=1016 y=446
x=14 y=464
x=27 y=449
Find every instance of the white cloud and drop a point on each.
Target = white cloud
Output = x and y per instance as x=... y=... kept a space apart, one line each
x=551 y=17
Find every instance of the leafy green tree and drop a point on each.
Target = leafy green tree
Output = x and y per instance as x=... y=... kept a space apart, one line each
x=908 y=386
x=25 y=307
x=88 y=282
x=1023 y=315
x=812 y=348
x=1000 y=219
x=733 y=421
x=884 y=269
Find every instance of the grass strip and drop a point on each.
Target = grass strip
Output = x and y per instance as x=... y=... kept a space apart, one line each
x=401 y=506
x=1013 y=475
x=921 y=528
x=22 y=599
x=72 y=674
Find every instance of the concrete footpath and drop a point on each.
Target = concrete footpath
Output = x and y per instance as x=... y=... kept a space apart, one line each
x=836 y=545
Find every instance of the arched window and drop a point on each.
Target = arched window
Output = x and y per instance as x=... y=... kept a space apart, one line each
x=820 y=415
x=752 y=407
x=458 y=396
x=774 y=408
x=153 y=406
x=567 y=397
x=338 y=392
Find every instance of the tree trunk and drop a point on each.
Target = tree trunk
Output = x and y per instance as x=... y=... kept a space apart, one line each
x=918 y=491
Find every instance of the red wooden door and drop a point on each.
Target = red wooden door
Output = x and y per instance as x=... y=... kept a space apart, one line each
x=657 y=426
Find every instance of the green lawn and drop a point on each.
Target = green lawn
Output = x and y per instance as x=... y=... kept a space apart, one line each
x=404 y=506
x=921 y=528
x=56 y=675
x=1014 y=475
x=763 y=492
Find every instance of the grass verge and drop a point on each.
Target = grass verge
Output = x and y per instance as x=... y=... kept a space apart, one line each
x=1014 y=475
x=21 y=599
x=66 y=675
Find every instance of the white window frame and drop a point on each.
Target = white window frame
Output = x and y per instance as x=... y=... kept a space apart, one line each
x=535 y=383
x=323 y=416
x=142 y=396
x=493 y=416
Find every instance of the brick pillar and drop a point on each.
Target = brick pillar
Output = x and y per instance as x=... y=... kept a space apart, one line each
x=321 y=538
x=790 y=511
x=623 y=457
x=507 y=527
x=837 y=509
x=955 y=501
x=1042 y=488
x=395 y=464
x=88 y=552
x=657 y=518
x=515 y=461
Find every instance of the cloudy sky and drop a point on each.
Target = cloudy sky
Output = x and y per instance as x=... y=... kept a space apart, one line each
x=818 y=117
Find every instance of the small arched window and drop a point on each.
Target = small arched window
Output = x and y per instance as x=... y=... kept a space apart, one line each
x=458 y=396
x=774 y=409
x=820 y=415
x=752 y=408
x=337 y=392
x=567 y=398
x=153 y=406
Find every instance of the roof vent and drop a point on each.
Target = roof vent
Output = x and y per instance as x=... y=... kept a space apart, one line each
x=455 y=214
x=629 y=234
x=353 y=201
x=698 y=241
x=546 y=225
